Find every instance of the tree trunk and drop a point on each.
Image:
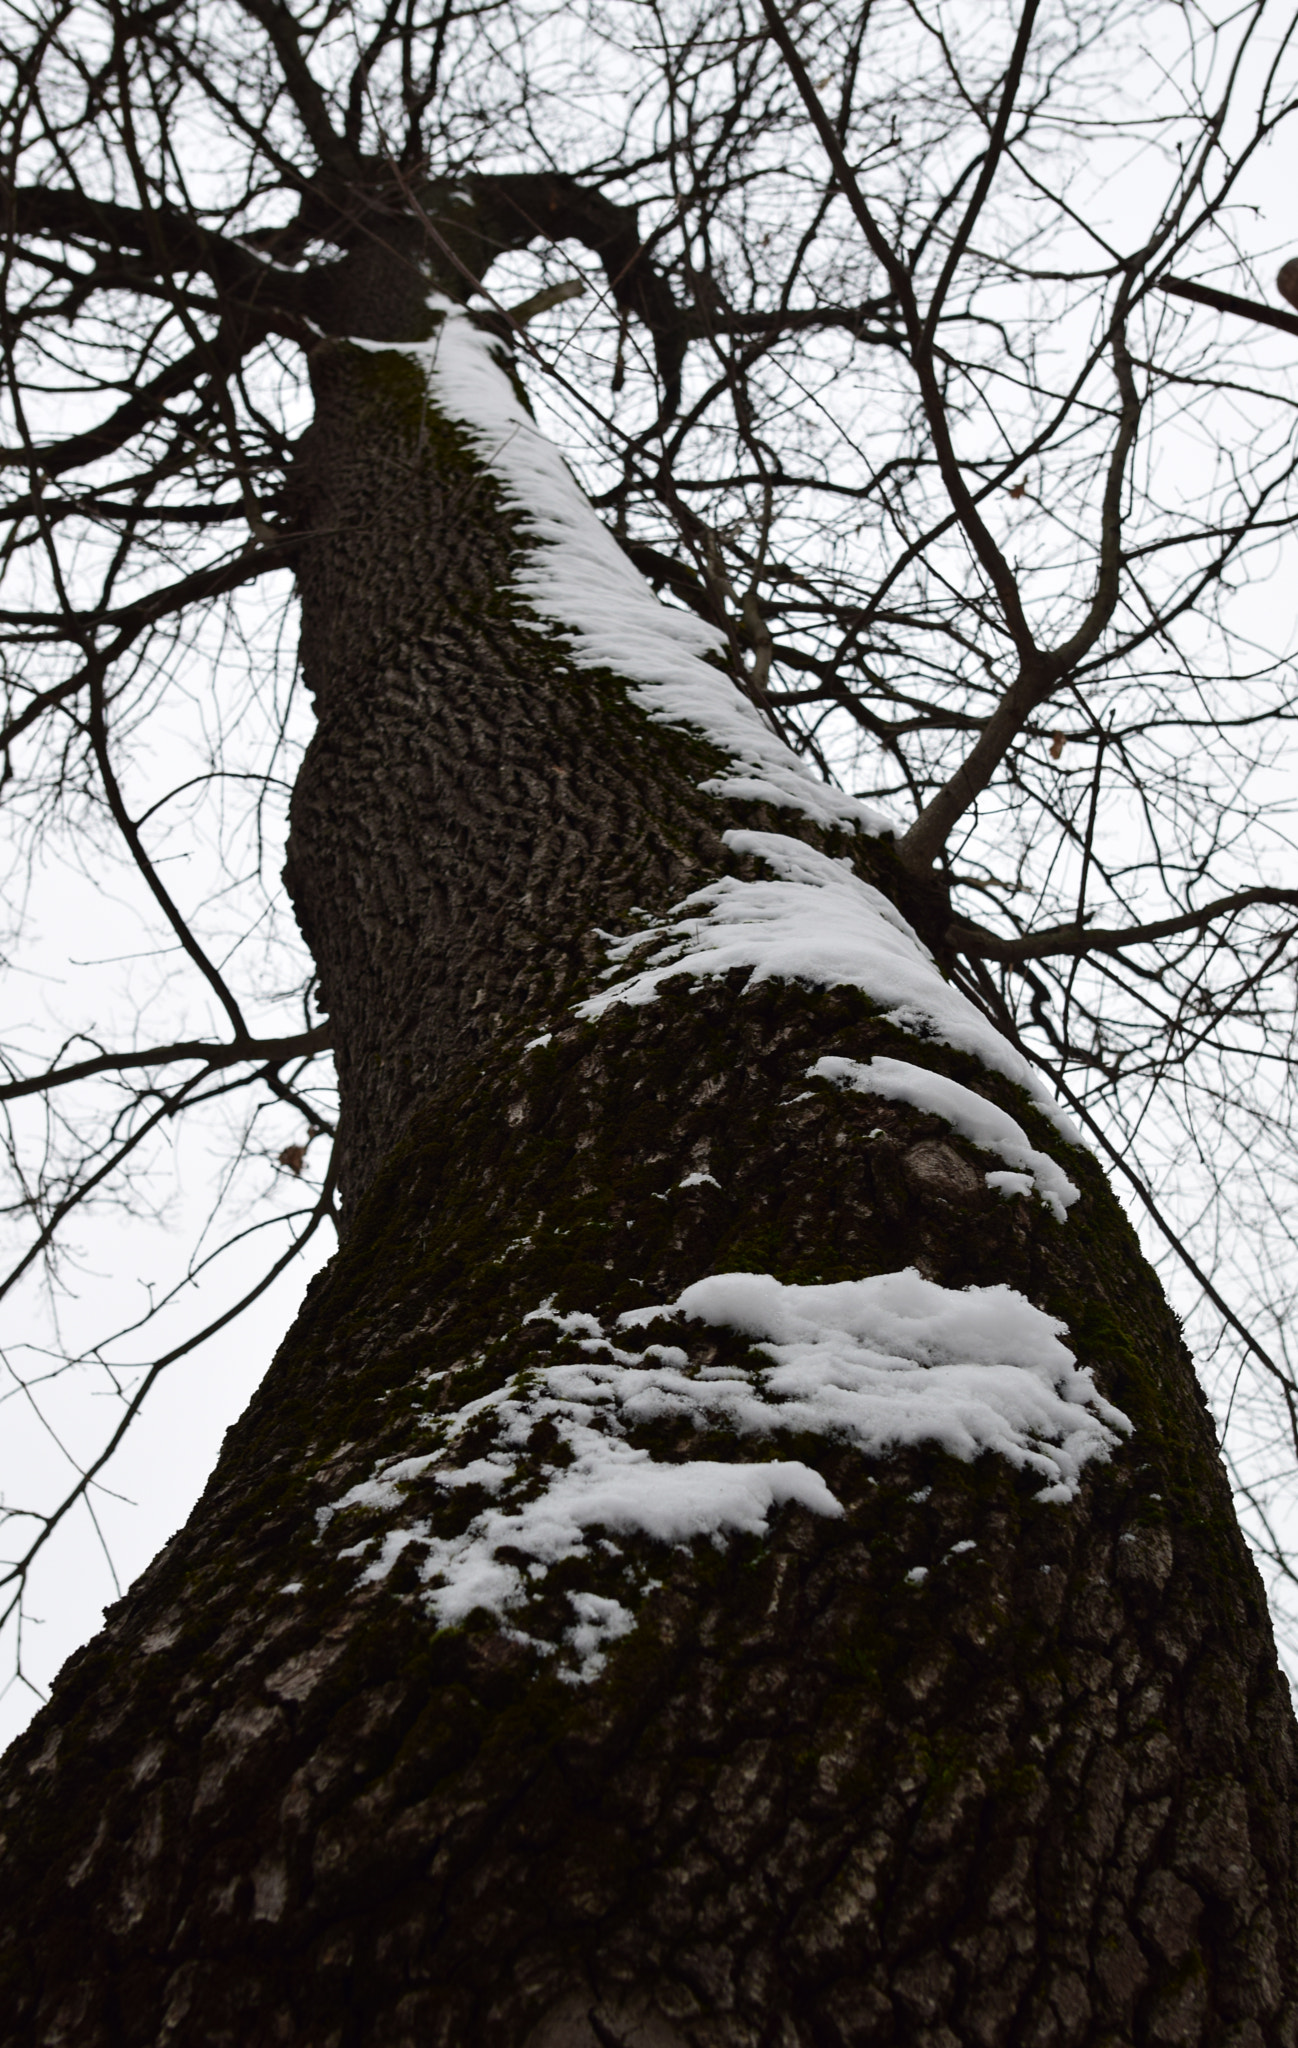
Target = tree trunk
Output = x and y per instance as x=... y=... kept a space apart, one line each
x=838 y=1747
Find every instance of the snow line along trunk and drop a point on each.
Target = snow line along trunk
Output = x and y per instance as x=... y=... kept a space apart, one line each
x=732 y=1550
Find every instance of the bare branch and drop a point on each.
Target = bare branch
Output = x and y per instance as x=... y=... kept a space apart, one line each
x=265 y=1052
x=1079 y=940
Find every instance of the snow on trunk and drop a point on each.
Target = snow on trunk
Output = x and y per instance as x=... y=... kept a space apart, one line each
x=883 y=1362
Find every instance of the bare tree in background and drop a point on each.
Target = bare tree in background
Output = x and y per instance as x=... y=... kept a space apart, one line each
x=872 y=370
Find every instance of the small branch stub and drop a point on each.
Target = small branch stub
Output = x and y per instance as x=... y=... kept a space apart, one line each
x=541 y=302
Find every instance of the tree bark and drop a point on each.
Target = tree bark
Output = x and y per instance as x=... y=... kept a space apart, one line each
x=956 y=1766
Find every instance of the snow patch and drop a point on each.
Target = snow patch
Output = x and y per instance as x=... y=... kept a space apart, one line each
x=817 y=921
x=579 y=579
x=972 y=1115
x=599 y=1622
x=890 y=1361
x=609 y=1486
x=899 y=1360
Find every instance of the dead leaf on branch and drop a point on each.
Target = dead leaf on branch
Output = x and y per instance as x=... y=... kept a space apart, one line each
x=1056 y=745
x=293 y=1156
x=1018 y=490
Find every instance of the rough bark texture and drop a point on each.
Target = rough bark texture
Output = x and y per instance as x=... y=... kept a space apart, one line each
x=1042 y=1798
x=471 y=809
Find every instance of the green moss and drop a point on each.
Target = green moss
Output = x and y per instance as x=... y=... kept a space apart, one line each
x=393 y=388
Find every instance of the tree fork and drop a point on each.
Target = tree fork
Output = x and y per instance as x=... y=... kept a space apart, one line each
x=955 y=1765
